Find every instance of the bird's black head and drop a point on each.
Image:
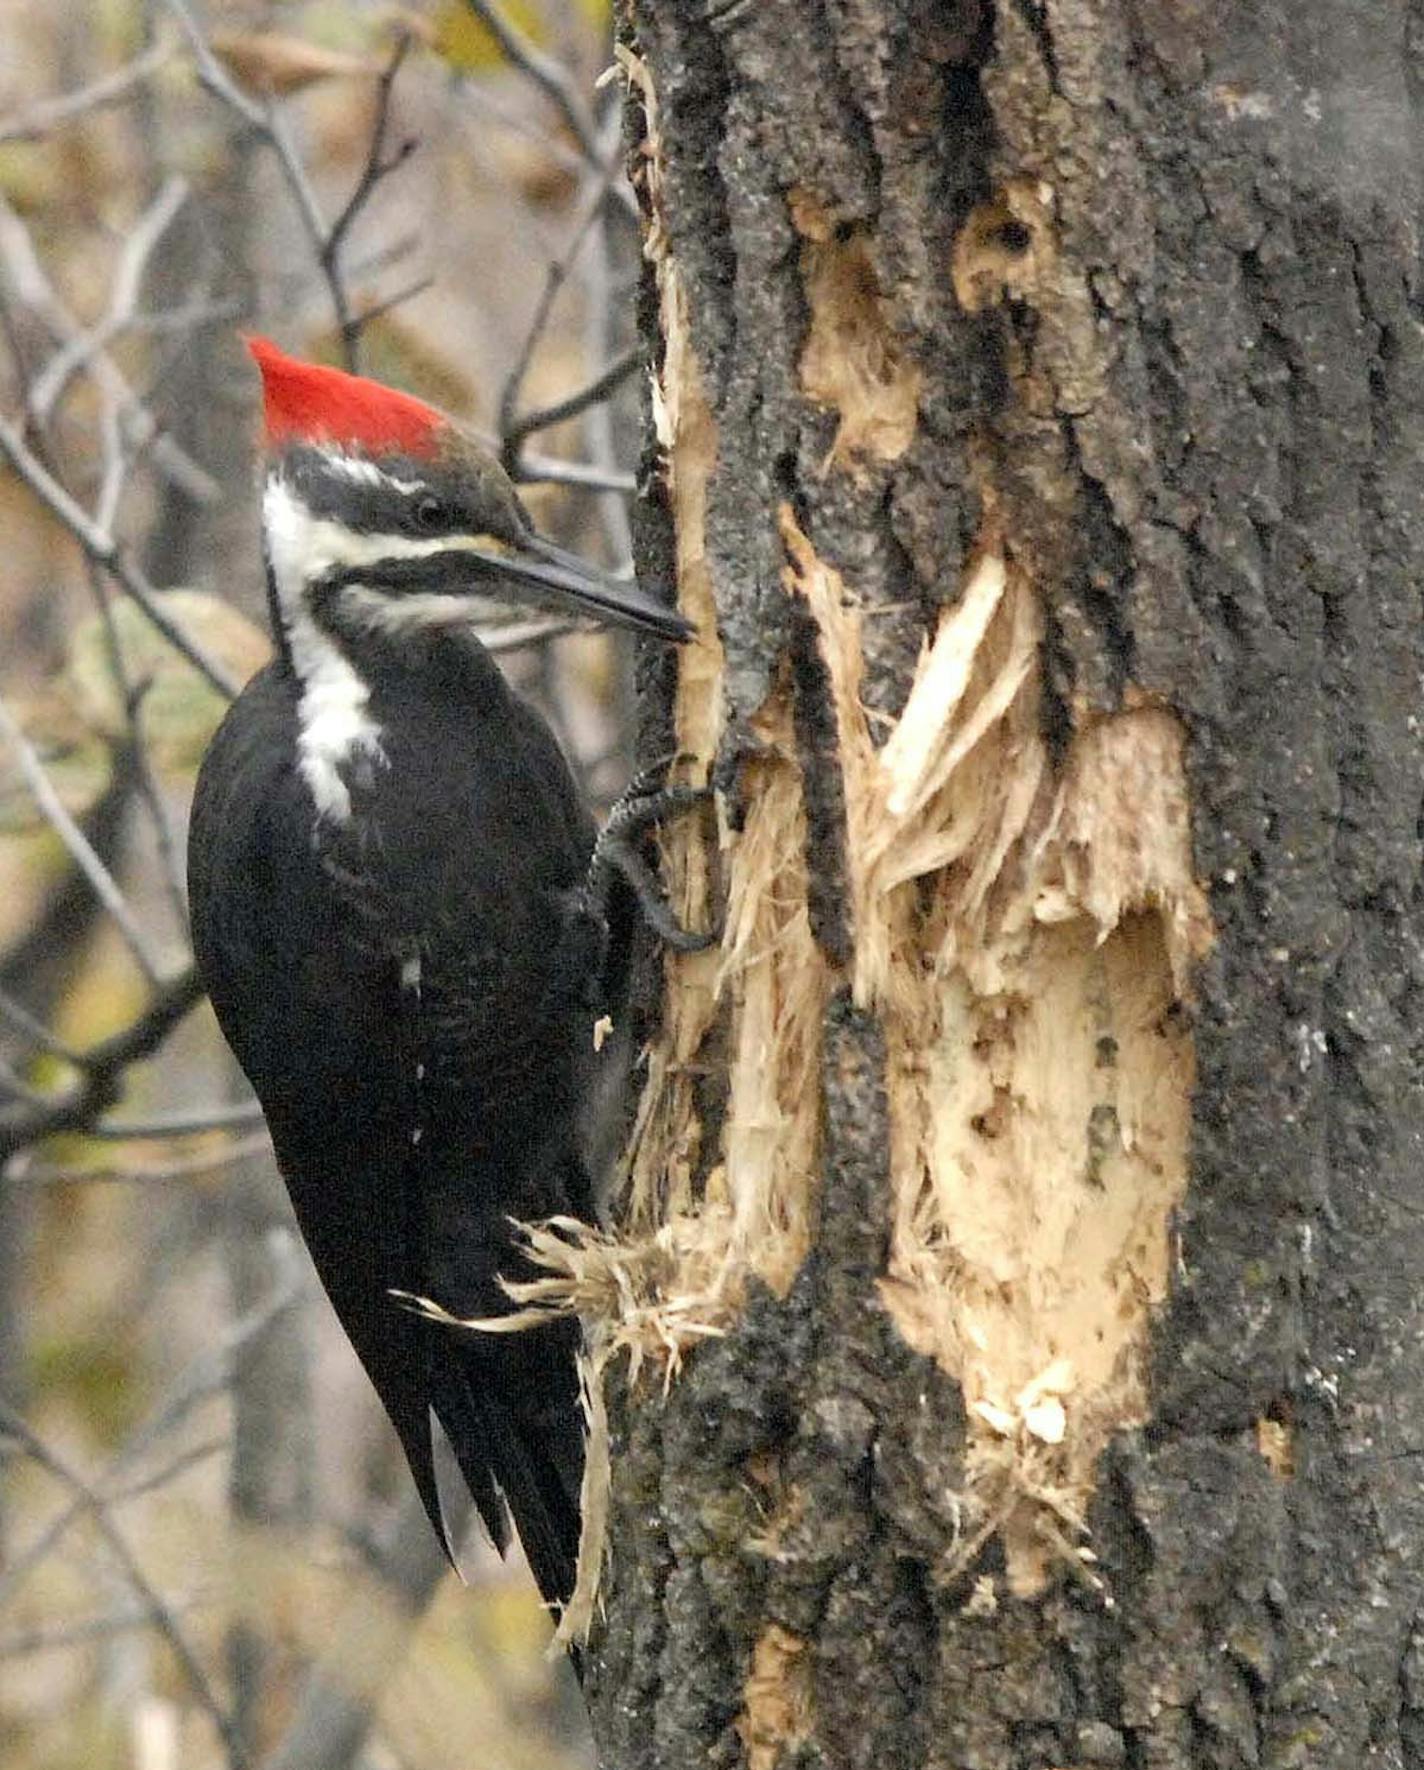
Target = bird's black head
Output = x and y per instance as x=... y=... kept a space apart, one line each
x=381 y=515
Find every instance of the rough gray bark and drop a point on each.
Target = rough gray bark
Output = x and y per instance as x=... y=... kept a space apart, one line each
x=1204 y=423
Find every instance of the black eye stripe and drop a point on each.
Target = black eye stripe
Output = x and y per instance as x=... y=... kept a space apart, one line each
x=400 y=496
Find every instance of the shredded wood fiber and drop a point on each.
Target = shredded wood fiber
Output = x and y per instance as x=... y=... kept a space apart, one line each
x=1024 y=929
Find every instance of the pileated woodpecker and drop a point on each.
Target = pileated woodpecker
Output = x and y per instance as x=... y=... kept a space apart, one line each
x=402 y=918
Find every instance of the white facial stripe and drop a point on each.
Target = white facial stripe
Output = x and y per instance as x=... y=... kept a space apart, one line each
x=303 y=547
x=416 y=611
x=366 y=473
x=336 y=725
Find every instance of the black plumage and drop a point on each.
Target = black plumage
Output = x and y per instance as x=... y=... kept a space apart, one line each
x=412 y=991
x=407 y=930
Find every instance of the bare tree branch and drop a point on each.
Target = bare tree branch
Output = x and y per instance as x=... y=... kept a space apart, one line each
x=554 y=280
x=102 y=1070
x=79 y=351
x=153 y=1479
x=106 y=887
x=104 y=550
x=269 y=125
x=550 y=76
x=159 y=1614
x=548 y=470
x=52 y=113
x=375 y=169
x=53 y=1637
x=23 y=1171
x=181 y=1124
x=34 y=290
x=131 y=695
x=573 y=404
x=368 y=315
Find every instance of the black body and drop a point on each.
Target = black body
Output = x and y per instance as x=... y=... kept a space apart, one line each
x=413 y=993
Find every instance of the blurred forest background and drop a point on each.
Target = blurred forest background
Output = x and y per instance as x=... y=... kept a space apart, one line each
x=209 y=1554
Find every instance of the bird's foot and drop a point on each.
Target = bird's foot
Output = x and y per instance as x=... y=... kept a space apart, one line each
x=643 y=803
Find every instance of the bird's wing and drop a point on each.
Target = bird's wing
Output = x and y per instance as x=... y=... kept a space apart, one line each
x=306 y=951
x=311 y=1012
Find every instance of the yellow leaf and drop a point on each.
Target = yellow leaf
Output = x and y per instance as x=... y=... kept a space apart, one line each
x=468 y=45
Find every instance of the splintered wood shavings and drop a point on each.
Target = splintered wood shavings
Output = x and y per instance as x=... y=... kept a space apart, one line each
x=664 y=1148
x=1038 y=1074
x=594 y=1492
x=923 y=733
x=777 y=982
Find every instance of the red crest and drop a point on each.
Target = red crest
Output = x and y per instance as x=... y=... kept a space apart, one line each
x=308 y=402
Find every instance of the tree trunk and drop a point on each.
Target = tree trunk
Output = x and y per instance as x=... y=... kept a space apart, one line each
x=1023 y=1215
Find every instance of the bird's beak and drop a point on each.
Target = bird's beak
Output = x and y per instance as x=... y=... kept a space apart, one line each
x=563 y=581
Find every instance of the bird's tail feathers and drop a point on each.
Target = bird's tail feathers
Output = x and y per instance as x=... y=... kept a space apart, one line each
x=520 y=1450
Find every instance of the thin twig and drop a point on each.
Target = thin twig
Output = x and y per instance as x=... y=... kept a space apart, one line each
x=532 y=470
x=145 y=1591
x=53 y=1637
x=544 y=417
x=369 y=315
x=264 y=121
x=104 y=550
x=554 y=279
x=180 y=1124
x=102 y=1069
x=550 y=76
x=523 y=634
x=187 y=317
x=33 y=288
x=78 y=352
x=132 y=695
x=81 y=851
x=52 y=113
x=269 y=125
x=23 y=1172
x=375 y=169
x=179 y=1464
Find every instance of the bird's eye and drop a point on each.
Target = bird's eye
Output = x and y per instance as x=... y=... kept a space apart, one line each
x=429 y=514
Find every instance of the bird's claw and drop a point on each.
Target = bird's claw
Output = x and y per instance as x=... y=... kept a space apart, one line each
x=643 y=803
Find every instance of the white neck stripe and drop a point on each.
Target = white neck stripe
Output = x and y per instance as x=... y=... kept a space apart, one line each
x=336 y=724
x=333 y=715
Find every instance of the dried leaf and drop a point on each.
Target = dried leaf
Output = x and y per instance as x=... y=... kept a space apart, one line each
x=276 y=65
